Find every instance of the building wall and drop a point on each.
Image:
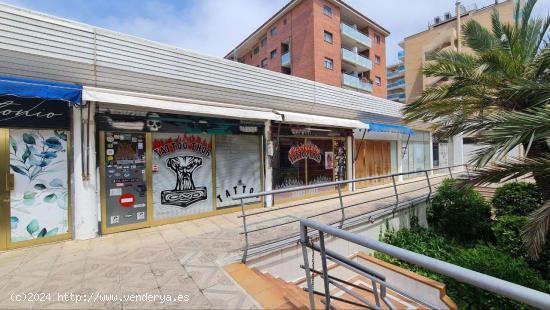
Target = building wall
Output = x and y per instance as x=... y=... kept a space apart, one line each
x=444 y=35
x=324 y=49
x=378 y=49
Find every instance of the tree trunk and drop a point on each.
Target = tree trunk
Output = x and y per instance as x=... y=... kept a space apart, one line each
x=540 y=148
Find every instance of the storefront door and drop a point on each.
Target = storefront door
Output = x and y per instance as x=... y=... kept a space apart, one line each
x=35 y=196
x=373 y=159
x=124 y=181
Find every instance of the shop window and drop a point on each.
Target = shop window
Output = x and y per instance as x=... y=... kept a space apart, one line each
x=328 y=37
x=182 y=175
x=328 y=63
x=289 y=171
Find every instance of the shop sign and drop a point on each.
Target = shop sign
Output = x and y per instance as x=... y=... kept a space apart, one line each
x=304 y=151
x=33 y=112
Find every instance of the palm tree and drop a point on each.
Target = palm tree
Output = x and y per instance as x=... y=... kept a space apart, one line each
x=499 y=93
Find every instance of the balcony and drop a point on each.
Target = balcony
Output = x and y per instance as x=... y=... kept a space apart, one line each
x=354 y=37
x=399 y=72
x=285 y=60
x=355 y=62
x=396 y=97
x=397 y=84
x=401 y=55
x=356 y=83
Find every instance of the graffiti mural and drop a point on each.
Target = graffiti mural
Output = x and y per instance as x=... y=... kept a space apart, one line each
x=182 y=174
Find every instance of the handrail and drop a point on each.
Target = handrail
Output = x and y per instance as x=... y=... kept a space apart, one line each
x=343 y=219
x=495 y=285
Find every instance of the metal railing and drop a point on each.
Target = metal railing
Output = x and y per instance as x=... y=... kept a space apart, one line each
x=356 y=59
x=356 y=35
x=392 y=197
x=355 y=82
x=380 y=285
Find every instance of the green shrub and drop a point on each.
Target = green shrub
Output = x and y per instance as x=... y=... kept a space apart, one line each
x=516 y=198
x=507 y=230
x=460 y=212
x=485 y=259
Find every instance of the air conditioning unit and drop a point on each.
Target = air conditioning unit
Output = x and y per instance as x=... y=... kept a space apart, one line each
x=447 y=16
x=437 y=20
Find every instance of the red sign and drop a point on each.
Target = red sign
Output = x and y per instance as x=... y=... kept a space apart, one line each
x=127 y=200
x=304 y=151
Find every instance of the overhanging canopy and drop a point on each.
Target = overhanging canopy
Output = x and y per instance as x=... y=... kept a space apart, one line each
x=308 y=119
x=24 y=87
x=379 y=127
x=173 y=105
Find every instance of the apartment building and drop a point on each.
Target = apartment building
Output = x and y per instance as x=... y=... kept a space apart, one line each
x=326 y=41
x=441 y=34
x=396 y=79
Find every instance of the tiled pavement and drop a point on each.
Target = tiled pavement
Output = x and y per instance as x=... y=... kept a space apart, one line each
x=178 y=259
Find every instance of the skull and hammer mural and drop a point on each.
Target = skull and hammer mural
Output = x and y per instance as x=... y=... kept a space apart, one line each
x=184 y=193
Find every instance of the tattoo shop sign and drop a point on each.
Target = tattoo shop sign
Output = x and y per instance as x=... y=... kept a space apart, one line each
x=304 y=151
x=18 y=111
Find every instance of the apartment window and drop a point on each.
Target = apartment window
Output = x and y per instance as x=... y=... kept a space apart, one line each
x=377 y=38
x=273 y=31
x=377 y=59
x=273 y=53
x=377 y=81
x=328 y=37
x=263 y=42
x=327 y=10
x=256 y=50
x=263 y=64
x=284 y=22
x=328 y=63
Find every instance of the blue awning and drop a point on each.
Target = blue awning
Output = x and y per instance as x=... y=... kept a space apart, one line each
x=379 y=127
x=24 y=87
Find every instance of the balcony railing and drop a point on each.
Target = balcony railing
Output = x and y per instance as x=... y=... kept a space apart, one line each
x=285 y=59
x=400 y=71
x=397 y=97
x=397 y=84
x=361 y=63
x=356 y=35
x=355 y=82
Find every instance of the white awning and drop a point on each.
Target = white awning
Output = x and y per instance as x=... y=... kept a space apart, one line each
x=308 y=119
x=154 y=103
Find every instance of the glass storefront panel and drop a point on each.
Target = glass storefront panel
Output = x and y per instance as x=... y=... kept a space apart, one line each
x=39 y=200
x=238 y=168
x=290 y=168
x=182 y=174
x=320 y=165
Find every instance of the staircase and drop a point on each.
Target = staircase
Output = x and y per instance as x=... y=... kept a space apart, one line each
x=274 y=293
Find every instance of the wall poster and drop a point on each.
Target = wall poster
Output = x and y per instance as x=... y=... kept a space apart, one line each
x=237 y=168
x=125 y=178
x=182 y=174
x=40 y=197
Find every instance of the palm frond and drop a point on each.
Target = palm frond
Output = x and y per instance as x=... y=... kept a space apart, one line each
x=536 y=230
x=514 y=168
x=478 y=37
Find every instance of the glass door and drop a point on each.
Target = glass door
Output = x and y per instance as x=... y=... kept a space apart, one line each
x=35 y=187
x=124 y=181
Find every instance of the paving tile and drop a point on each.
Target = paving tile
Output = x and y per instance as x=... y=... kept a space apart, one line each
x=207 y=276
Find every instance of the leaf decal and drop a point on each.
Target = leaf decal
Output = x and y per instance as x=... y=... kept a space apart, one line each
x=42 y=233
x=61 y=134
x=62 y=201
x=50 y=198
x=53 y=142
x=56 y=183
x=48 y=155
x=32 y=227
x=26 y=155
x=29 y=195
x=13 y=144
x=28 y=139
x=52 y=232
x=39 y=186
x=18 y=169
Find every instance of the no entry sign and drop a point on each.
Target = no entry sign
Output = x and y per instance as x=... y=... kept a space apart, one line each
x=127 y=200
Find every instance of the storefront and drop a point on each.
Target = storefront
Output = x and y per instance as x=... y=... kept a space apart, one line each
x=159 y=168
x=35 y=148
x=308 y=155
x=416 y=153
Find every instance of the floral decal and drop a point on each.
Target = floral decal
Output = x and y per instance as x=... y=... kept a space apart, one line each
x=39 y=202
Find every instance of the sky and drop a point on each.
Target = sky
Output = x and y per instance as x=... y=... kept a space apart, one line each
x=214 y=27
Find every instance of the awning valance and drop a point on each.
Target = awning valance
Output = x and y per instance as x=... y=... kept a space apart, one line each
x=24 y=87
x=149 y=102
x=379 y=127
x=316 y=120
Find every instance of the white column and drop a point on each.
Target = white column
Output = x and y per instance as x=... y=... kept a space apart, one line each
x=349 y=162
x=84 y=192
x=268 y=168
x=456 y=150
x=431 y=153
x=400 y=156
